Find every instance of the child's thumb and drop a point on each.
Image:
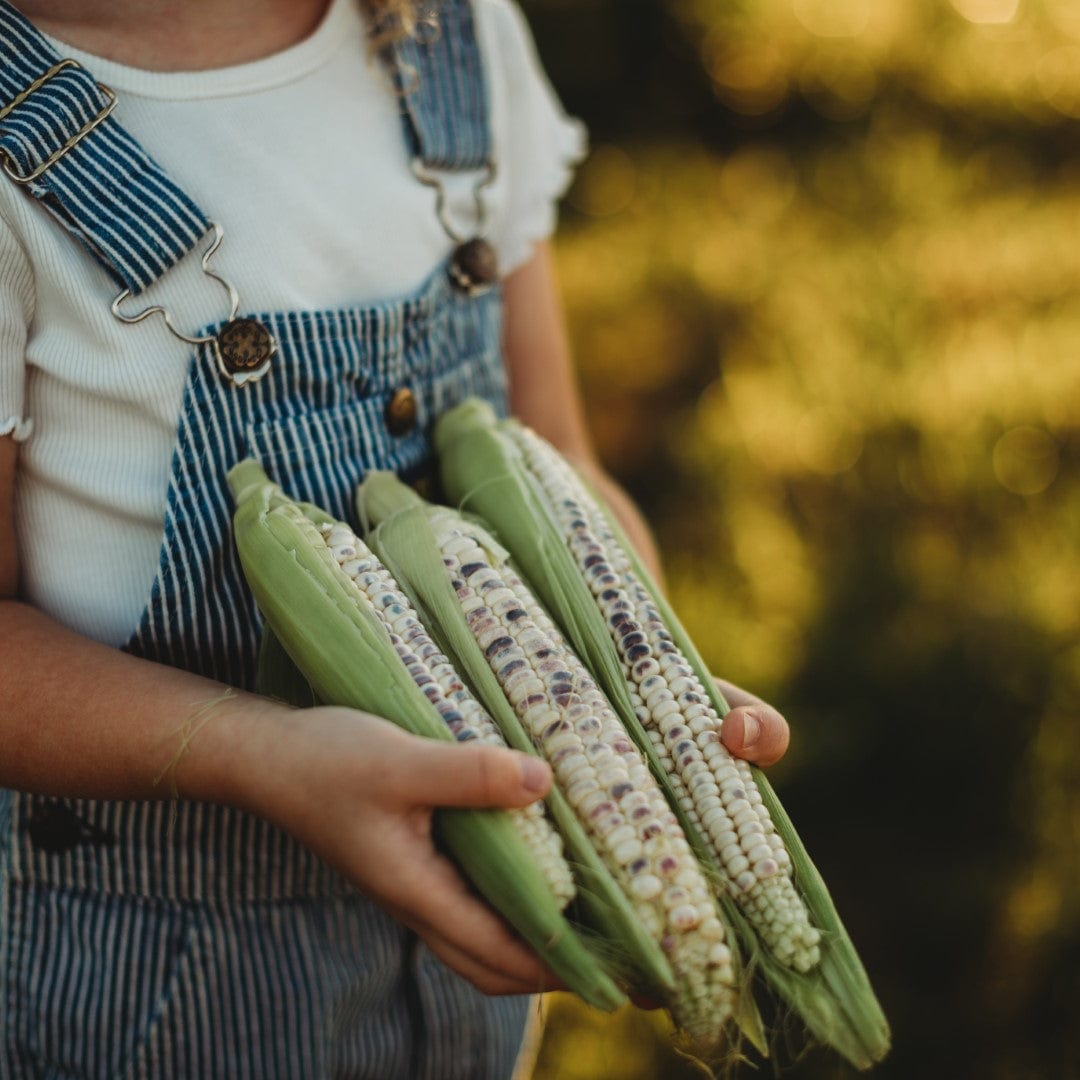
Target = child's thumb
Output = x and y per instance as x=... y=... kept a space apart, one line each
x=473 y=774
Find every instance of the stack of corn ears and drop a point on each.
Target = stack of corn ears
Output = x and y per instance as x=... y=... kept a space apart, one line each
x=603 y=600
x=357 y=642
x=683 y=874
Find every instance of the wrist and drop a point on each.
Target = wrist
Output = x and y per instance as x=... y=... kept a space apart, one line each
x=225 y=750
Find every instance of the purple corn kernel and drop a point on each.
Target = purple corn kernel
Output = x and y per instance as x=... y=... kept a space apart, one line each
x=499 y=643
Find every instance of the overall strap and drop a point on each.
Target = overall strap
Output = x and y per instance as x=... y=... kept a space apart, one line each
x=59 y=141
x=439 y=76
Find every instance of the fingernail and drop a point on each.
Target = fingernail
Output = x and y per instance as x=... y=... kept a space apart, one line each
x=535 y=775
x=751 y=730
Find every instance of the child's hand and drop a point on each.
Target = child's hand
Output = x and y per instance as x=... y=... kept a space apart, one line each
x=753 y=729
x=360 y=793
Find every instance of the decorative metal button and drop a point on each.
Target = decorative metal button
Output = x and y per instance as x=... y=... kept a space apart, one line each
x=401 y=412
x=474 y=266
x=244 y=349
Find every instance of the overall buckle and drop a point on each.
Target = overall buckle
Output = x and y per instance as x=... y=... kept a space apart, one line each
x=5 y=158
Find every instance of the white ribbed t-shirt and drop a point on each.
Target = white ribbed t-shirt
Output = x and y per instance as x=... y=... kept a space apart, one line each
x=302 y=159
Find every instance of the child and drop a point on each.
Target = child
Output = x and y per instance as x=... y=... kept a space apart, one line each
x=287 y=915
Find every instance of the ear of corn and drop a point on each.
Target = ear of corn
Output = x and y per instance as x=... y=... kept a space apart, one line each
x=348 y=656
x=503 y=640
x=407 y=543
x=772 y=894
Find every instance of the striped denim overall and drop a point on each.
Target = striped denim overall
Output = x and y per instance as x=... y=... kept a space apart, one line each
x=191 y=940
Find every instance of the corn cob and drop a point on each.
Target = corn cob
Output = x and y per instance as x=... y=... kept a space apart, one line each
x=597 y=767
x=717 y=791
x=349 y=657
x=589 y=579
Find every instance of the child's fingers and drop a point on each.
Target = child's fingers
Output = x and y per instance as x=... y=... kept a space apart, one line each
x=756 y=732
x=431 y=898
x=474 y=775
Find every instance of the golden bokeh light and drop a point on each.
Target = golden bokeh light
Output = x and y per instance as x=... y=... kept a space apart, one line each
x=608 y=181
x=1025 y=460
x=833 y=18
x=987 y=12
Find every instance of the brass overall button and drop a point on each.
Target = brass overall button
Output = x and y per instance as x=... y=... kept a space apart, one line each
x=401 y=411
x=244 y=346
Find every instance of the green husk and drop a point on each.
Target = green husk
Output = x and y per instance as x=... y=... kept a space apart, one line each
x=346 y=656
x=403 y=537
x=483 y=471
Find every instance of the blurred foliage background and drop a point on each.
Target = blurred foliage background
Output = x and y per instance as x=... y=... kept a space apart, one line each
x=823 y=274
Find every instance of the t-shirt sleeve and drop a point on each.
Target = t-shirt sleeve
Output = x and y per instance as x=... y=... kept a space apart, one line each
x=16 y=307
x=537 y=145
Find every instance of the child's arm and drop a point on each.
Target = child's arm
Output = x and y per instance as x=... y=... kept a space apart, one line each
x=80 y=719
x=544 y=395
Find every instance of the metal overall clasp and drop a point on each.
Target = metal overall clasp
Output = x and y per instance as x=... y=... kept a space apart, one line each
x=243 y=348
x=474 y=265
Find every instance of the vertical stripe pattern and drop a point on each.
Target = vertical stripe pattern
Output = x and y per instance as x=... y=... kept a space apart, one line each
x=147 y=940
x=440 y=79
x=106 y=988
